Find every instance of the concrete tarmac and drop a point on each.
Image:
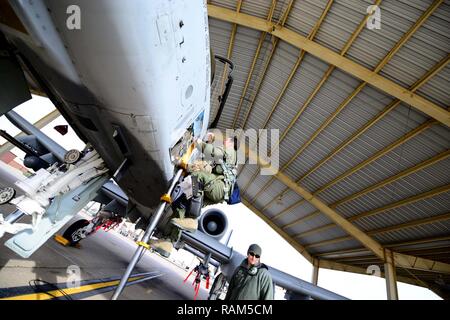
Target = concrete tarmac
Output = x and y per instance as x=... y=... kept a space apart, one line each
x=102 y=255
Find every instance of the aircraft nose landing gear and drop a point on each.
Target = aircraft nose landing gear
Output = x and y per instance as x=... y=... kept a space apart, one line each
x=83 y=228
x=52 y=197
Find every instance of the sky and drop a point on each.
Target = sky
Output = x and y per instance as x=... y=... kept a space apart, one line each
x=247 y=228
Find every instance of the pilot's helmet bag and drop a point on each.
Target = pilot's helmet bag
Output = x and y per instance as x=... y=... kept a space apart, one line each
x=235 y=196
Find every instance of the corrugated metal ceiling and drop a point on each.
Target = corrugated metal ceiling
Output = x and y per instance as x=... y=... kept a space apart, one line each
x=427 y=47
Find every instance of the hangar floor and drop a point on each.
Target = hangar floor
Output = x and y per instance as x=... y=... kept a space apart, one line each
x=101 y=256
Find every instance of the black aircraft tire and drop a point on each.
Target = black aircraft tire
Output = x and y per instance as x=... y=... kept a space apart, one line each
x=73 y=228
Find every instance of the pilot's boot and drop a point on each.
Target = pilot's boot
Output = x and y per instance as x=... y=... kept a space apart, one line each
x=188 y=224
x=162 y=246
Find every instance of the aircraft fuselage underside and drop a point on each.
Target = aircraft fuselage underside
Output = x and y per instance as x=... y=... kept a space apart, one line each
x=130 y=84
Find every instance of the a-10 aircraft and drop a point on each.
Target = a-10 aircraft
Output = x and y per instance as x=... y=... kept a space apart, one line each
x=133 y=79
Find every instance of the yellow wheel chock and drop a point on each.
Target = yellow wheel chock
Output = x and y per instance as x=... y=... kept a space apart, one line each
x=60 y=239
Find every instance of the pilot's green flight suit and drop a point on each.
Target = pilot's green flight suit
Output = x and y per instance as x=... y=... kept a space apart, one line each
x=212 y=183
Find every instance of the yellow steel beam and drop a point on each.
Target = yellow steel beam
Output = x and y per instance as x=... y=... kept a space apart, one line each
x=9 y=18
x=401 y=259
x=396 y=245
x=315 y=230
x=430 y=253
x=315 y=91
x=411 y=224
x=418 y=130
x=325 y=124
x=403 y=202
x=315 y=275
x=264 y=188
x=311 y=36
x=323 y=263
x=417 y=263
x=300 y=112
x=319 y=86
x=286 y=13
x=347 y=226
x=327 y=74
x=376 y=156
x=362 y=260
x=278 y=196
x=377 y=69
x=230 y=45
x=329 y=241
x=244 y=189
x=255 y=58
x=249 y=77
x=302 y=219
x=390 y=275
x=346 y=267
x=333 y=241
x=397 y=227
x=431 y=161
x=332 y=265
x=431 y=9
x=283 y=234
x=233 y=33
x=381 y=115
x=418 y=241
x=322 y=81
x=286 y=210
x=285 y=86
x=349 y=252
x=419 y=83
x=333 y=58
x=359 y=235
x=391 y=206
x=420 y=166
x=426 y=125
x=266 y=65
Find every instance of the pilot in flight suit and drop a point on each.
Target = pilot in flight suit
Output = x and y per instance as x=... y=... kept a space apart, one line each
x=215 y=175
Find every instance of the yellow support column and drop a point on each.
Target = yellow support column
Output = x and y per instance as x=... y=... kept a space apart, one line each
x=315 y=275
x=390 y=275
